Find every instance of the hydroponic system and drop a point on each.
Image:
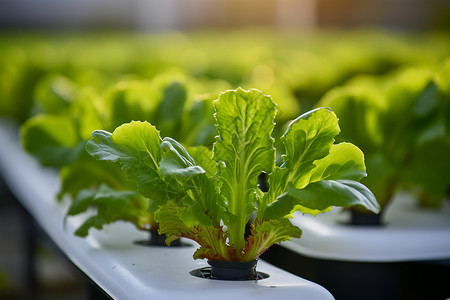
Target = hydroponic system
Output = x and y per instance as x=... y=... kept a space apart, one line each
x=256 y=165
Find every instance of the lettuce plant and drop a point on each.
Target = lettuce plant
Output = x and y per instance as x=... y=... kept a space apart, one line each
x=57 y=137
x=210 y=196
x=400 y=121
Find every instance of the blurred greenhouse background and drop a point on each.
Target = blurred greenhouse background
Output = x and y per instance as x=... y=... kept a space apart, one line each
x=181 y=15
x=96 y=63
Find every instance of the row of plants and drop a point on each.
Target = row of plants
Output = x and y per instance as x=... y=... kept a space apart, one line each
x=296 y=68
x=215 y=176
x=212 y=197
x=57 y=139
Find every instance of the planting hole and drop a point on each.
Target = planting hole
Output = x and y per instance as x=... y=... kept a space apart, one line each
x=206 y=273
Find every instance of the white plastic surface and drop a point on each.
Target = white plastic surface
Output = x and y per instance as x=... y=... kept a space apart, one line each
x=410 y=233
x=120 y=267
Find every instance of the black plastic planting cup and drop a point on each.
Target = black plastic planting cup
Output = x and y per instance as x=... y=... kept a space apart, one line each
x=157 y=239
x=365 y=219
x=226 y=270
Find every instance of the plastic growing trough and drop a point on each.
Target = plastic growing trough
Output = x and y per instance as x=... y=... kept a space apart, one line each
x=408 y=233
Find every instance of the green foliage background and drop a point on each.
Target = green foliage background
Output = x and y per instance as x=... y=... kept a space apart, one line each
x=391 y=91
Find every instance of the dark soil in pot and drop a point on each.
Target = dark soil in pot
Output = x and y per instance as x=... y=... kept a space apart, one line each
x=236 y=271
x=346 y=280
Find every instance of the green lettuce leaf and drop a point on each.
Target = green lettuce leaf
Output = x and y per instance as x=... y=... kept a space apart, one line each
x=345 y=160
x=411 y=109
x=53 y=140
x=203 y=158
x=357 y=108
x=212 y=239
x=162 y=169
x=267 y=234
x=136 y=146
x=182 y=173
x=198 y=124
x=53 y=94
x=87 y=172
x=429 y=171
x=319 y=196
x=91 y=222
x=81 y=203
x=244 y=149
x=128 y=101
x=85 y=109
x=111 y=205
x=177 y=164
x=307 y=139
x=171 y=107
x=317 y=174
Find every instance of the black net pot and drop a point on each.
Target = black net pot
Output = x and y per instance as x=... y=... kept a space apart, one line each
x=358 y=218
x=226 y=270
x=157 y=239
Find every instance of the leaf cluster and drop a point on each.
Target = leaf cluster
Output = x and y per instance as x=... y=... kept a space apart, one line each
x=211 y=196
x=401 y=122
x=69 y=113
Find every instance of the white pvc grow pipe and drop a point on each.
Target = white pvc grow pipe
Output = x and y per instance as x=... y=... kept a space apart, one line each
x=410 y=233
x=121 y=268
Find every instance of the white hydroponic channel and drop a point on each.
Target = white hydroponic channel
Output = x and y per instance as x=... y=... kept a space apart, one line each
x=114 y=262
x=409 y=233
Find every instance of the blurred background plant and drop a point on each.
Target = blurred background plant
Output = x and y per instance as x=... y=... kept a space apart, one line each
x=400 y=121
